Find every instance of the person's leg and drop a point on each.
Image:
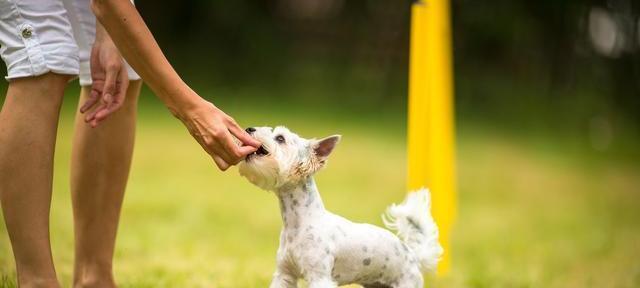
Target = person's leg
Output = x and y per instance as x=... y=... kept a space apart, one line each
x=100 y=163
x=28 y=126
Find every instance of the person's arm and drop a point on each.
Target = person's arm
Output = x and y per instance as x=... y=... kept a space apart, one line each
x=211 y=127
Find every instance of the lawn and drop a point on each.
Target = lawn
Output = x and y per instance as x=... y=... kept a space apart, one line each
x=534 y=212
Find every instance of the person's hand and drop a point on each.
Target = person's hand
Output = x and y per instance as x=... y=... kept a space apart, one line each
x=110 y=81
x=214 y=130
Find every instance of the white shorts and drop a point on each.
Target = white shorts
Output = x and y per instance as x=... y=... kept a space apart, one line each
x=40 y=36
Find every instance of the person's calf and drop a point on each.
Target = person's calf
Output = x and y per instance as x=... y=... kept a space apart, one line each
x=99 y=170
x=28 y=122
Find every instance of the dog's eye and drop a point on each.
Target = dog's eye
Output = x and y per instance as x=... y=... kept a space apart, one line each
x=280 y=139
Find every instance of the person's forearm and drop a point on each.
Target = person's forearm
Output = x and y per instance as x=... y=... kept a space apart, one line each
x=211 y=127
x=134 y=40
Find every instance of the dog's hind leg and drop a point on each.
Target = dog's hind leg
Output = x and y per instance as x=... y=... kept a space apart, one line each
x=412 y=279
x=377 y=285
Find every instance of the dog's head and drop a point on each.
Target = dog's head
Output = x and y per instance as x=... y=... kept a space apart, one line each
x=284 y=157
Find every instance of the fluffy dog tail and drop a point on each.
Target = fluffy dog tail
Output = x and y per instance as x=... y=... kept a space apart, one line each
x=414 y=225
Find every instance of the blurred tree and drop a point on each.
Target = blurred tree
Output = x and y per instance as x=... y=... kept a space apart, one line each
x=540 y=63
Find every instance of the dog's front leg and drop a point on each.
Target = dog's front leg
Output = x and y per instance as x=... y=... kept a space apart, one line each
x=319 y=266
x=322 y=283
x=283 y=280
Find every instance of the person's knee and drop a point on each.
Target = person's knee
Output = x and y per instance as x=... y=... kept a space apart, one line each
x=134 y=89
x=133 y=92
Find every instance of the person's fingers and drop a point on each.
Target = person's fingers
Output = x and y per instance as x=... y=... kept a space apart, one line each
x=105 y=102
x=91 y=116
x=105 y=110
x=118 y=99
x=213 y=146
x=112 y=70
x=246 y=150
x=242 y=135
x=210 y=143
x=223 y=154
x=108 y=110
x=233 y=150
x=92 y=99
x=94 y=121
x=210 y=146
x=108 y=91
x=220 y=162
x=123 y=76
x=222 y=165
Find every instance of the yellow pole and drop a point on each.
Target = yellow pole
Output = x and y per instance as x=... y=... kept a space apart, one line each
x=430 y=135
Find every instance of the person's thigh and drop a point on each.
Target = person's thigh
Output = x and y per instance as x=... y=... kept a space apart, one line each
x=36 y=38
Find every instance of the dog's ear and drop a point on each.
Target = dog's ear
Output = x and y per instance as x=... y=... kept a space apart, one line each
x=319 y=150
x=322 y=148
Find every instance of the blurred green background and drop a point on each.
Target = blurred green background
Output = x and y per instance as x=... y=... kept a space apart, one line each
x=548 y=118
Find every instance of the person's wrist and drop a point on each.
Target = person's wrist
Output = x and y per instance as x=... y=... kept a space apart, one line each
x=102 y=36
x=184 y=102
x=105 y=42
x=103 y=39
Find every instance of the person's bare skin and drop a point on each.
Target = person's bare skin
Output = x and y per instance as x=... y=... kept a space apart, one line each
x=28 y=125
x=100 y=161
x=100 y=164
x=211 y=127
x=101 y=155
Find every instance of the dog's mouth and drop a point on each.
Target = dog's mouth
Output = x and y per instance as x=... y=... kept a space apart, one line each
x=260 y=152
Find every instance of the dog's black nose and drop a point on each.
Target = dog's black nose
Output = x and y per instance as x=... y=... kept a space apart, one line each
x=250 y=130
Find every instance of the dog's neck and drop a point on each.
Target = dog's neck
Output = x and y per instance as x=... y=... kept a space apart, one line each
x=300 y=202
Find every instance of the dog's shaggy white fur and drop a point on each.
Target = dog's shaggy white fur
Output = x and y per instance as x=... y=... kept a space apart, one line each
x=325 y=249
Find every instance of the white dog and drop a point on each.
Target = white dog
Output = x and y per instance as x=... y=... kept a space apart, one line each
x=327 y=250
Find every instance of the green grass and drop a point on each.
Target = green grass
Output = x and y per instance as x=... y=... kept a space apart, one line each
x=532 y=213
